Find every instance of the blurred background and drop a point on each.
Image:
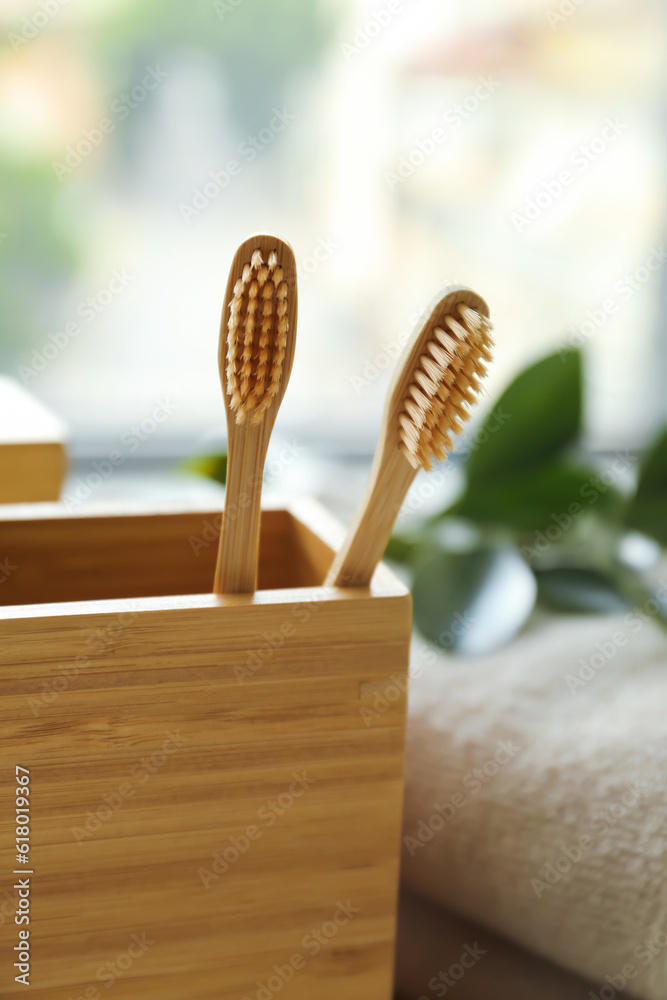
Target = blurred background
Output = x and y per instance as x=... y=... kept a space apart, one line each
x=399 y=146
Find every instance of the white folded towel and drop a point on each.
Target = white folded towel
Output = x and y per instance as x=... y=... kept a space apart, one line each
x=536 y=795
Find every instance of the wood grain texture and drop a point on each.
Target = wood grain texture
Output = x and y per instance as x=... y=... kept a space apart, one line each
x=247 y=443
x=391 y=474
x=137 y=555
x=186 y=720
x=33 y=459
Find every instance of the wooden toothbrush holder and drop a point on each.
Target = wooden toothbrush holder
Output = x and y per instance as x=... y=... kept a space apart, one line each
x=33 y=450
x=215 y=783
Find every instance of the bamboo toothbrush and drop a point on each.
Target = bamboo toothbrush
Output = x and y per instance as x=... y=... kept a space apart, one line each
x=434 y=384
x=257 y=337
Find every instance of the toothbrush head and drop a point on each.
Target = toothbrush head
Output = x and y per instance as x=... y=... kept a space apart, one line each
x=442 y=376
x=260 y=322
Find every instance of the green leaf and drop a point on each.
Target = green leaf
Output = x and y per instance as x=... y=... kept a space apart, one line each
x=472 y=602
x=211 y=466
x=535 y=419
x=452 y=535
x=570 y=588
x=557 y=494
x=648 y=510
x=648 y=598
x=403 y=548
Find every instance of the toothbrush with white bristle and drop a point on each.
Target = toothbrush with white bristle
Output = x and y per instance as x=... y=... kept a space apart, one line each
x=257 y=338
x=435 y=384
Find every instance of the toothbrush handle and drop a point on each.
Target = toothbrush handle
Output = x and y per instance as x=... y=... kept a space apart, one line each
x=238 y=551
x=367 y=537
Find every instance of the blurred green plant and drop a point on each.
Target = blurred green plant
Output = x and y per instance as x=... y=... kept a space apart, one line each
x=211 y=466
x=537 y=522
x=259 y=45
x=37 y=255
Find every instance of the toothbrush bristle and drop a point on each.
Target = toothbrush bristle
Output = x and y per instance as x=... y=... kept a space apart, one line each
x=256 y=338
x=444 y=384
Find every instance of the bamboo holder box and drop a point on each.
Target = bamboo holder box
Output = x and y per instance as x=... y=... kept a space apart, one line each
x=33 y=455
x=215 y=783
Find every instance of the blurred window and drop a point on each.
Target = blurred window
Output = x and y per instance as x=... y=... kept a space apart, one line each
x=399 y=146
